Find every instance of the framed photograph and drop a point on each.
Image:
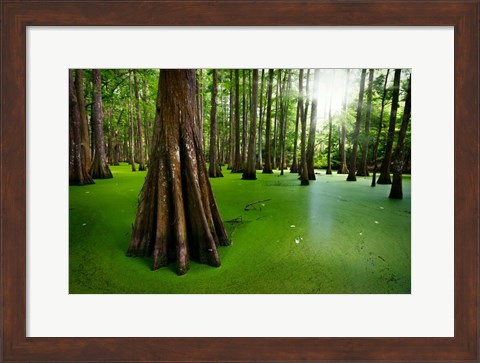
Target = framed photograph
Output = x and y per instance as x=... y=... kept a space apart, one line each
x=330 y=271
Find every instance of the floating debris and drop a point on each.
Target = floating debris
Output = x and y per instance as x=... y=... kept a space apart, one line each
x=292 y=226
x=84 y=224
x=360 y=233
x=381 y=208
x=297 y=240
x=87 y=192
x=376 y=222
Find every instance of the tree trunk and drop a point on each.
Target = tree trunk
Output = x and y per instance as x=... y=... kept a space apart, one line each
x=245 y=121
x=343 y=169
x=213 y=169
x=384 y=177
x=353 y=156
x=260 y=124
x=284 y=120
x=99 y=169
x=329 y=151
x=267 y=169
x=277 y=96
x=250 y=171
x=303 y=119
x=177 y=217
x=84 y=131
x=237 y=167
x=294 y=166
x=399 y=157
x=313 y=128
x=303 y=161
x=141 y=159
x=130 y=123
x=231 y=154
x=78 y=174
x=379 y=132
x=363 y=170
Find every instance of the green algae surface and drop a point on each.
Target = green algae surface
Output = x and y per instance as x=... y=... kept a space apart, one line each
x=331 y=237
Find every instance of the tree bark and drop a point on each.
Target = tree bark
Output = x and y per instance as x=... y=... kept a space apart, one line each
x=84 y=131
x=141 y=159
x=99 y=168
x=396 y=191
x=177 y=217
x=78 y=174
x=267 y=168
x=343 y=169
x=384 y=177
x=313 y=127
x=213 y=169
x=379 y=132
x=353 y=156
x=363 y=170
x=250 y=170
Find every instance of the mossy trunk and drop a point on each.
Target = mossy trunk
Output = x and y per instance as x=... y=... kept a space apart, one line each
x=294 y=166
x=177 y=217
x=353 y=155
x=84 y=132
x=78 y=174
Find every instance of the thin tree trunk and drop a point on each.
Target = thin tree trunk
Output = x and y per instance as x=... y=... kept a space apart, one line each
x=343 y=169
x=237 y=167
x=78 y=174
x=353 y=156
x=329 y=151
x=379 y=132
x=141 y=159
x=304 y=122
x=99 y=168
x=267 y=169
x=313 y=128
x=303 y=160
x=363 y=170
x=223 y=137
x=177 y=217
x=214 y=170
x=283 y=161
x=294 y=167
x=260 y=125
x=231 y=153
x=250 y=170
x=130 y=123
x=245 y=121
x=84 y=131
x=277 y=96
x=384 y=177
x=396 y=191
